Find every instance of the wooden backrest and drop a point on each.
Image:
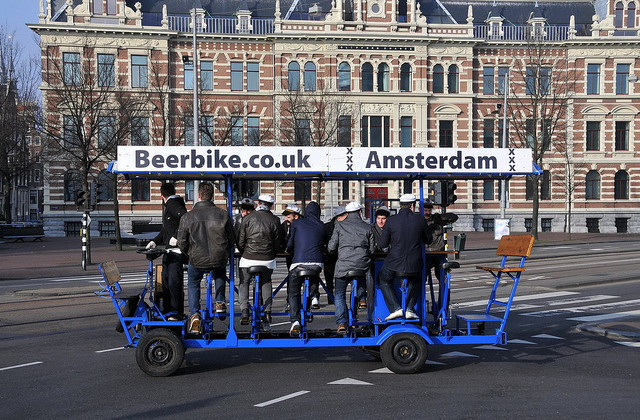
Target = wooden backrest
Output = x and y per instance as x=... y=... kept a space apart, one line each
x=515 y=245
x=110 y=272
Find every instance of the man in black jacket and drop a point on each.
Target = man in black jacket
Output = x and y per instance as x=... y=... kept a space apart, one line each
x=404 y=234
x=205 y=235
x=258 y=241
x=172 y=271
x=307 y=239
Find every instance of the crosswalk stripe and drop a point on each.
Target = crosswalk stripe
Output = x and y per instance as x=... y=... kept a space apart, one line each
x=576 y=309
x=593 y=318
x=520 y=298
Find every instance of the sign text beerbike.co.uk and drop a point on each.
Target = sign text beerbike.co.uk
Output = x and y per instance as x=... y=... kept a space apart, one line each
x=215 y=159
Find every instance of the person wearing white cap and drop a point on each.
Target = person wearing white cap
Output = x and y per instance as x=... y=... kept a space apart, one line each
x=353 y=240
x=330 y=259
x=258 y=241
x=404 y=234
x=290 y=213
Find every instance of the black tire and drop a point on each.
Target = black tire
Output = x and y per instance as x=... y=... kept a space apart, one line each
x=404 y=353
x=160 y=352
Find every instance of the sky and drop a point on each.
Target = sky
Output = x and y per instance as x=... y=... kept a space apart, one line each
x=13 y=17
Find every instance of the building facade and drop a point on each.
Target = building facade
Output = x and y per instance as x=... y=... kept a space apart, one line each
x=362 y=73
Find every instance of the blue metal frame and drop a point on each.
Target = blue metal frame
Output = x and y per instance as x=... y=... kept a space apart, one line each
x=373 y=331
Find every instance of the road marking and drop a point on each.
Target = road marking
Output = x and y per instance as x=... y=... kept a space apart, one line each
x=547 y=336
x=349 y=381
x=113 y=349
x=20 y=366
x=602 y=317
x=489 y=347
x=629 y=343
x=587 y=308
x=519 y=298
x=381 y=370
x=518 y=341
x=283 y=398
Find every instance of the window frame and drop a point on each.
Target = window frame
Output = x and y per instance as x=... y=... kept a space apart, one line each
x=367 y=77
x=71 y=71
x=293 y=76
x=106 y=70
x=253 y=76
x=384 y=82
x=592 y=140
x=236 y=69
x=621 y=185
x=310 y=76
x=453 y=79
x=488 y=80
x=445 y=133
x=206 y=75
x=406 y=72
x=592 y=185
x=593 y=79
x=438 y=78
x=344 y=77
x=622 y=78
x=139 y=71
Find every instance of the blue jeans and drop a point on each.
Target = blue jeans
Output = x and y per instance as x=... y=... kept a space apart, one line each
x=340 y=284
x=194 y=276
x=385 y=280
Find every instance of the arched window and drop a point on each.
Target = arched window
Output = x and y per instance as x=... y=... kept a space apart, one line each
x=294 y=76
x=344 y=77
x=619 y=14
x=367 y=77
x=452 y=79
x=405 y=77
x=438 y=79
x=105 y=186
x=72 y=185
x=383 y=77
x=621 y=185
x=309 y=76
x=631 y=15
x=593 y=185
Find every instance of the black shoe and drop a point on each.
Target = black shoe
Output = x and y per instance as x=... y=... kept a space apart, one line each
x=245 y=318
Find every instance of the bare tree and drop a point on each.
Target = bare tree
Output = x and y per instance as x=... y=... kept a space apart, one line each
x=541 y=84
x=88 y=112
x=19 y=79
x=311 y=118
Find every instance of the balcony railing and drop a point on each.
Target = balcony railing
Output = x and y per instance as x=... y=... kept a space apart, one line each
x=222 y=25
x=523 y=33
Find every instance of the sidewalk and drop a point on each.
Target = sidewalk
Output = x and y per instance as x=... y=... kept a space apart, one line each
x=55 y=257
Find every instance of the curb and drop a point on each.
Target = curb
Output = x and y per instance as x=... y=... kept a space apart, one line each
x=609 y=333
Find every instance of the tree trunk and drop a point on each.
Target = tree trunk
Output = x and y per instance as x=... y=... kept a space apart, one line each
x=6 y=210
x=536 y=204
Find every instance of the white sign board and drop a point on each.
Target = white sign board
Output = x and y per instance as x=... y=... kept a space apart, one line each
x=502 y=227
x=342 y=160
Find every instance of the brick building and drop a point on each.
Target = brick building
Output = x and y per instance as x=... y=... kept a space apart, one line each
x=363 y=73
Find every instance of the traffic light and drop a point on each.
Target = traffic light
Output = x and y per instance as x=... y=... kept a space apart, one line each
x=435 y=193
x=448 y=193
x=80 y=198
x=97 y=193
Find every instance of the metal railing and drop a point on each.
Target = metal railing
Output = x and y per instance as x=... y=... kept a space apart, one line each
x=222 y=25
x=523 y=33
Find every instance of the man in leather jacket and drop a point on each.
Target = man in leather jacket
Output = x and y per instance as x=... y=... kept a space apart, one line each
x=258 y=241
x=205 y=235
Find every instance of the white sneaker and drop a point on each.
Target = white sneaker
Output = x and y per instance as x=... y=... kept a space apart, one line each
x=394 y=315
x=295 y=329
x=315 y=304
x=411 y=315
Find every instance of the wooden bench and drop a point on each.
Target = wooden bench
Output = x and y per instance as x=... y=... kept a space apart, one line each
x=514 y=250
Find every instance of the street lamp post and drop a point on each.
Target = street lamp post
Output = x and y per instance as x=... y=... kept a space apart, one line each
x=196 y=125
x=503 y=144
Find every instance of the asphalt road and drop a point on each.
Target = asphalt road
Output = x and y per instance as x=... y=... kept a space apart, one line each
x=61 y=358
